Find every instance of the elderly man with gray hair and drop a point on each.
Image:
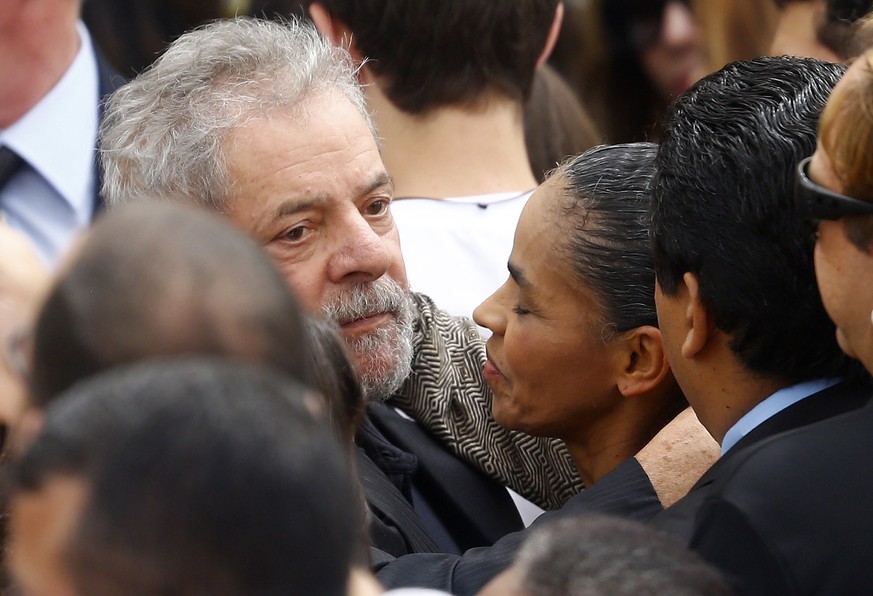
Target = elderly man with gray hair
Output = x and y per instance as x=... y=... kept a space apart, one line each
x=265 y=123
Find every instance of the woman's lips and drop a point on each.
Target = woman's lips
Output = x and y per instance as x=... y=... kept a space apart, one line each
x=490 y=371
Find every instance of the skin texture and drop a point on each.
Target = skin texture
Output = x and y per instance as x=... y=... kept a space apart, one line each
x=717 y=385
x=42 y=524
x=311 y=187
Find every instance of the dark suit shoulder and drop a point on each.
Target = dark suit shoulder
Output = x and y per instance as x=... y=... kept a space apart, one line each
x=678 y=521
x=625 y=492
x=792 y=509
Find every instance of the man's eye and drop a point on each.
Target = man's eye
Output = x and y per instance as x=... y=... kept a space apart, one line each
x=294 y=234
x=377 y=207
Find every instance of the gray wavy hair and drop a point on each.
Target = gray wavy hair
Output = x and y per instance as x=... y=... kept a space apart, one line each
x=162 y=133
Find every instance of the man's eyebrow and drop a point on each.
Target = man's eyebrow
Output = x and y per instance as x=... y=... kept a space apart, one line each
x=292 y=207
x=518 y=276
x=381 y=179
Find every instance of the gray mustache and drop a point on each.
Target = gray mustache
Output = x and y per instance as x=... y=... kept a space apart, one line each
x=365 y=300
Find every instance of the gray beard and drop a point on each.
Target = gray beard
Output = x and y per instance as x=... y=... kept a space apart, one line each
x=383 y=357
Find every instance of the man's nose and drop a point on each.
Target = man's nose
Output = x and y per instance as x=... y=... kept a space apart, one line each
x=361 y=254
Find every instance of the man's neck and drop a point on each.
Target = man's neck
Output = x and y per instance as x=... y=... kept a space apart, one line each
x=722 y=390
x=38 y=42
x=454 y=151
x=796 y=31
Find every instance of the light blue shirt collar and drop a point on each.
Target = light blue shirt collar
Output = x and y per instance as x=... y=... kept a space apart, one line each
x=785 y=397
x=57 y=137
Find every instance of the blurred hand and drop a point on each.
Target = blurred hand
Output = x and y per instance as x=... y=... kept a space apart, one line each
x=24 y=281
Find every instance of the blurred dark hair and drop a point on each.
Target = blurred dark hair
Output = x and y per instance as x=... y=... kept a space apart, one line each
x=837 y=30
x=202 y=477
x=596 y=56
x=159 y=279
x=556 y=125
x=434 y=53
x=596 y=554
x=335 y=379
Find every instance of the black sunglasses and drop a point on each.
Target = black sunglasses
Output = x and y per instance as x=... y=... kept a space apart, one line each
x=815 y=202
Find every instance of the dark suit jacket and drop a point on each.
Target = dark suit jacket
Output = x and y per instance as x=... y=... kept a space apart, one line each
x=678 y=520
x=399 y=462
x=792 y=514
x=625 y=492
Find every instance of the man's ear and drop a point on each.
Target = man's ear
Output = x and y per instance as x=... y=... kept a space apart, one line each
x=334 y=30
x=554 y=32
x=698 y=321
x=646 y=364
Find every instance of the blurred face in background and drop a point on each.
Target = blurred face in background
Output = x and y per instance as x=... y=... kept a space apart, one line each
x=664 y=38
x=674 y=59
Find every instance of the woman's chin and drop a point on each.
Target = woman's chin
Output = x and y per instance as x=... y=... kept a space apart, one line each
x=510 y=418
x=504 y=414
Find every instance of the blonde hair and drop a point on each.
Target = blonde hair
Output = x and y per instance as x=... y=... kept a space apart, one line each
x=846 y=131
x=846 y=134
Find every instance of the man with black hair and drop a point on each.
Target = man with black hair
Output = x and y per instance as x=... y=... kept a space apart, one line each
x=742 y=320
x=792 y=515
x=446 y=83
x=191 y=477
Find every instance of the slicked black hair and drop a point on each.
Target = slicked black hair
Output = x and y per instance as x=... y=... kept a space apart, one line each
x=722 y=210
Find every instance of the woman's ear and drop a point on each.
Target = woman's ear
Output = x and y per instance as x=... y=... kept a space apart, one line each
x=645 y=362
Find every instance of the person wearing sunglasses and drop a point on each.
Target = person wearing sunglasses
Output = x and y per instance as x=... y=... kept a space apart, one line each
x=835 y=190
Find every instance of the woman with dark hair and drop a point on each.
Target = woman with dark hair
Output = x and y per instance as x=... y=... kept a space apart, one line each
x=575 y=351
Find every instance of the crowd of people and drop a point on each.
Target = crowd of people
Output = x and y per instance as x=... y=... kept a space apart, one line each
x=336 y=297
